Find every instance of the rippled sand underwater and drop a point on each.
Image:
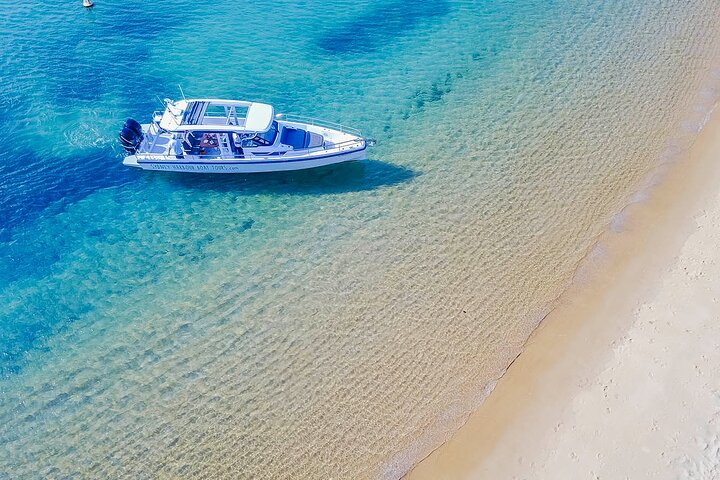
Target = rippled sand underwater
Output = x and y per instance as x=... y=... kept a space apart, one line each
x=332 y=323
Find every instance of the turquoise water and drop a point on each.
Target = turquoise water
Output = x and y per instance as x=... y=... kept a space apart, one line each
x=332 y=323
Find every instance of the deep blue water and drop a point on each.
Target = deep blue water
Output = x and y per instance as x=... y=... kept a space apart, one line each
x=70 y=88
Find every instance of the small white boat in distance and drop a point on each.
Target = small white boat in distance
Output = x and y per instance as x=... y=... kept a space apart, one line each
x=233 y=136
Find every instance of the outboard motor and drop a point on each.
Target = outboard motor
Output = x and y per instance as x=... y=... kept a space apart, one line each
x=131 y=136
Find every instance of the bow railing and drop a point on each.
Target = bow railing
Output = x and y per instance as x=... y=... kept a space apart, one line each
x=290 y=117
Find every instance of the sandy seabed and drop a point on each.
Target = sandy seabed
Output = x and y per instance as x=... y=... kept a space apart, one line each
x=622 y=380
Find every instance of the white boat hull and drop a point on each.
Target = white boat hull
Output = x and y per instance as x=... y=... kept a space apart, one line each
x=234 y=136
x=248 y=165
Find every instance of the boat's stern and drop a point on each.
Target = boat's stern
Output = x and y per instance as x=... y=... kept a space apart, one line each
x=131 y=161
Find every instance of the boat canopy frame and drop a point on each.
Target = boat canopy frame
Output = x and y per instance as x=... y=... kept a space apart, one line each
x=185 y=115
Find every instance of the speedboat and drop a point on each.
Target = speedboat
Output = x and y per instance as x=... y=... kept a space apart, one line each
x=234 y=136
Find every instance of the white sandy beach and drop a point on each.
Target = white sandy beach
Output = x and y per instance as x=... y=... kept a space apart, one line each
x=622 y=380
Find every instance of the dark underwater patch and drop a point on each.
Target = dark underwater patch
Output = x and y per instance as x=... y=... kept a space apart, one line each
x=246 y=225
x=423 y=96
x=33 y=182
x=381 y=26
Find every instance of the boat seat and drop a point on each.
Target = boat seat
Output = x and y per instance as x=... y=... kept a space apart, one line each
x=295 y=138
x=315 y=140
x=191 y=144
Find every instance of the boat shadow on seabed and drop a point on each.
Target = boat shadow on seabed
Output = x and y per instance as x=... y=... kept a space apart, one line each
x=355 y=176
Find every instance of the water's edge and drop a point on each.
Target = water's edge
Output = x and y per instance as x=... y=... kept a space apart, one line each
x=675 y=185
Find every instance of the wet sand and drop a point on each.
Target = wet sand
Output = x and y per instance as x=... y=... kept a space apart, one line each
x=621 y=379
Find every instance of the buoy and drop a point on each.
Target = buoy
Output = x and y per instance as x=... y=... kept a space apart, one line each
x=88 y=3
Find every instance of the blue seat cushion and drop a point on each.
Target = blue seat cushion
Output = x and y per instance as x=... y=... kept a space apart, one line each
x=294 y=137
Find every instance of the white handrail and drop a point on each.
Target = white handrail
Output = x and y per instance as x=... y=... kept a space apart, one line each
x=290 y=117
x=338 y=147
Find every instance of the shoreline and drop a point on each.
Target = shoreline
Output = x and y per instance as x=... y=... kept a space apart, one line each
x=516 y=428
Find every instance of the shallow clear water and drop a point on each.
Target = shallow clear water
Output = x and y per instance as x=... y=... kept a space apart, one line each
x=330 y=323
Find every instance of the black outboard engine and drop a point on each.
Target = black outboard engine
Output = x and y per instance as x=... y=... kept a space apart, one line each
x=131 y=136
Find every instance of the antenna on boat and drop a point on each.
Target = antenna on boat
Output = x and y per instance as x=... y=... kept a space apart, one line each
x=181 y=92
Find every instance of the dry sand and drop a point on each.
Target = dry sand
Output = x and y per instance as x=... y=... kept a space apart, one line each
x=622 y=380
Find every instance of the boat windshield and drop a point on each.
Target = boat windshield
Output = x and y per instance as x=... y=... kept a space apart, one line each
x=266 y=138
